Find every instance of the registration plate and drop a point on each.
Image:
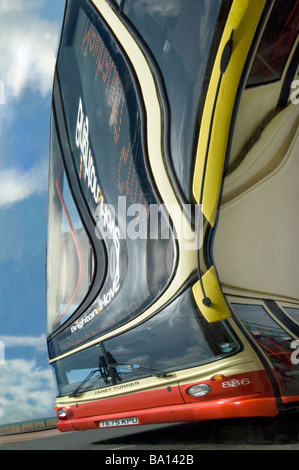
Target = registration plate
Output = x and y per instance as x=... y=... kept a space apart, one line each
x=111 y=423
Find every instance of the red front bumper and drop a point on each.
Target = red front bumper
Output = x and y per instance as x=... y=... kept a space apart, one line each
x=235 y=407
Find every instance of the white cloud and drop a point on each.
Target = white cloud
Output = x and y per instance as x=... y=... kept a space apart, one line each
x=39 y=342
x=14 y=5
x=172 y=8
x=28 y=46
x=27 y=392
x=17 y=185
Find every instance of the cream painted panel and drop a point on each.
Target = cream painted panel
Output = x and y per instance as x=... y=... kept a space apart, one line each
x=266 y=155
x=256 y=245
x=255 y=106
x=256 y=103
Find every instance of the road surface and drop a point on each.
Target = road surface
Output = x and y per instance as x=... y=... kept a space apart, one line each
x=281 y=433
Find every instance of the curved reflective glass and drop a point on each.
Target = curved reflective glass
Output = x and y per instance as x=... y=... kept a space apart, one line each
x=105 y=127
x=293 y=312
x=275 y=342
x=276 y=43
x=69 y=254
x=179 y=34
x=176 y=338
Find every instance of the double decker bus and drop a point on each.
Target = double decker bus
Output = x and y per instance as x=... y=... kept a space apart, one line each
x=173 y=248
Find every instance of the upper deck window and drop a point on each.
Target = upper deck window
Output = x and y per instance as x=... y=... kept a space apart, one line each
x=179 y=35
x=105 y=126
x=69 y=257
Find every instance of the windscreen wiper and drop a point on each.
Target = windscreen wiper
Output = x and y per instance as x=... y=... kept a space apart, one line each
x=153 y=372
x=104 y=373
x=76 y=391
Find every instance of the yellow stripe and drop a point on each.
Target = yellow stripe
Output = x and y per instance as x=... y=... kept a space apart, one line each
x=218 y=310
x=243 y=19
x=213 y=137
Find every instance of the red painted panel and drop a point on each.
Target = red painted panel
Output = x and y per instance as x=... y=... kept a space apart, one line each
x=243 y=395
x=233 y=386
x=251 y=406
x=160 y=397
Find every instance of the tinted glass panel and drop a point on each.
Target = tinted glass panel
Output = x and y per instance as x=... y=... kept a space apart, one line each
x=274 y=342
x=104 y=116
x=69 y=254
x=176 y=338
x=293 y=312
x=276 y=43
x=179 y=34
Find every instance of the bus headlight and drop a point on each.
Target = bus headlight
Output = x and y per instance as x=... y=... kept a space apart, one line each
x=199 y=390
x=61 y=413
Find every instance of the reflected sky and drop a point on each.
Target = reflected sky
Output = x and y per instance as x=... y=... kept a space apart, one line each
x=29 y=33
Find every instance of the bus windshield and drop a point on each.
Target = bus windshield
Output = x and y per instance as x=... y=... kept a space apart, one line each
x=176 y=338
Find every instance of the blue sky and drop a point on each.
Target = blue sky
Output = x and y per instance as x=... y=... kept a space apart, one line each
x=29 y=35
